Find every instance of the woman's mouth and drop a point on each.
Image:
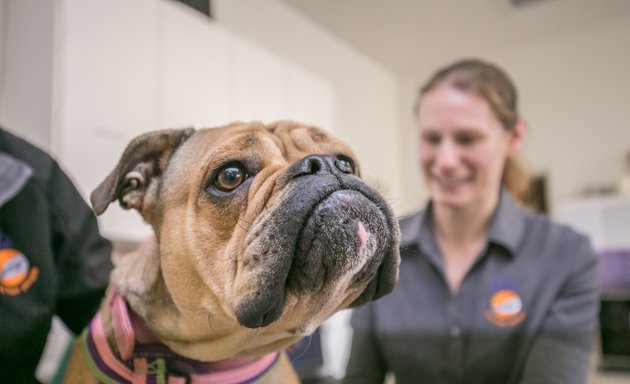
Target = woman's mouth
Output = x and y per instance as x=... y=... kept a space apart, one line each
x=451 y=182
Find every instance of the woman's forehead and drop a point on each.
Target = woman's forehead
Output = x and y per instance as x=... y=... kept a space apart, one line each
x=446 y=106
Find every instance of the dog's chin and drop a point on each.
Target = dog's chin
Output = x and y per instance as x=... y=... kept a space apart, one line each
x=341 y=236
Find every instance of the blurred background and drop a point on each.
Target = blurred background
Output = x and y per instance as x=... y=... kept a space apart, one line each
x=81 y=78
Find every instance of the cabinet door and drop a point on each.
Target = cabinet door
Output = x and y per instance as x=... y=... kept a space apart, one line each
x=195 y=69
x=604 y=219
x=106 y=92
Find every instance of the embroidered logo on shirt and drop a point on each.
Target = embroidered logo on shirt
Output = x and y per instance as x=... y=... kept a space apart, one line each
x=16 y=273
x=506 y=308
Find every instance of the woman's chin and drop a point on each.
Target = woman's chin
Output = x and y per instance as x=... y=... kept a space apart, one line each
x=451 y=198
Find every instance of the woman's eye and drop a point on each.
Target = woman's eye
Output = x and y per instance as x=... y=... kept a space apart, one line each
x=466 y=139
x=230 y=178
x=431 y=138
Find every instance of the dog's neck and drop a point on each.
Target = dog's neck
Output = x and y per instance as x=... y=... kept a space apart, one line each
x=123 y=327
x=138 y=278
x=121 y=347
x=137 y=275
x=190 y=328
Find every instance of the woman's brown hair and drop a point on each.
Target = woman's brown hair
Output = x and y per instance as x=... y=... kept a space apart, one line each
x=495 y=86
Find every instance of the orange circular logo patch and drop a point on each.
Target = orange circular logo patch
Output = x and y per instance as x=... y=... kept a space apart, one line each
x=16 y=273
x=506 y=308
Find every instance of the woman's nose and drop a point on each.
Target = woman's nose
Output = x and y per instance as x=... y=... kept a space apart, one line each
x=446 y=155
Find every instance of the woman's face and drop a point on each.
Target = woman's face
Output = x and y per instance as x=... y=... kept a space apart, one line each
x=463 y=147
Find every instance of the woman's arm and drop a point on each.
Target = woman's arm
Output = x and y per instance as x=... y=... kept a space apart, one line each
x=561 y=353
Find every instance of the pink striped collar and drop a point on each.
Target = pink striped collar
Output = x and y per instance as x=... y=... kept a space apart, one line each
x=138 y=362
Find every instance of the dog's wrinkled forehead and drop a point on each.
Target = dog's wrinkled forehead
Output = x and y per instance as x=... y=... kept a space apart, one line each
x=299 y=141
x=282 y=141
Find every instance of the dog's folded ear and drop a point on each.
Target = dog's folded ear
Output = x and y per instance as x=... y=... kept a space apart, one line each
x=143 y=161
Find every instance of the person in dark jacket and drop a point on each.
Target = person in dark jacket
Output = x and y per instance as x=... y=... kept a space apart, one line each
x=488 y=292
x=53 y=261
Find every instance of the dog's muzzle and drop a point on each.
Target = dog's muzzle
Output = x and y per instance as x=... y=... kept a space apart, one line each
x=329 y=230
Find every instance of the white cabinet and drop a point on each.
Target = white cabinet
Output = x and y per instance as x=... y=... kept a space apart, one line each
x=605 y=219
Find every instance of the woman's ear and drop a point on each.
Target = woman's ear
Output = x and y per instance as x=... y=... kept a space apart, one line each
x=517 y=136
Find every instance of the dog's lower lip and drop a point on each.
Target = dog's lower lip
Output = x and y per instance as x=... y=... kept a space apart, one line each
x=334 y=238
x=317 y=212
x=256 y=313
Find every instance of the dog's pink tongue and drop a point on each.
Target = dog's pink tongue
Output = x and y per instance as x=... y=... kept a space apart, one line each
x=364 y=235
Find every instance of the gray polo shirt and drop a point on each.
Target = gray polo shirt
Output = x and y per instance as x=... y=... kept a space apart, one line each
x=526 y=312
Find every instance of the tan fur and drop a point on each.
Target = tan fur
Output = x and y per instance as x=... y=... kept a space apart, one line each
x=214 y=254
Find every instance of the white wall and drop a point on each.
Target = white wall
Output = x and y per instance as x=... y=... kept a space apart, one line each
x=575 y=90
x=26 y=68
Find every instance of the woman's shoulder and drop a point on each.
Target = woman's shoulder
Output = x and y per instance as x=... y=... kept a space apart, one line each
x=537 y=222
x=555 y=236
x=411 y=218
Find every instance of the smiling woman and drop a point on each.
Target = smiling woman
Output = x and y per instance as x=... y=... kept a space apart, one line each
x=488 y=292
x=469 y=127
x=473 y=107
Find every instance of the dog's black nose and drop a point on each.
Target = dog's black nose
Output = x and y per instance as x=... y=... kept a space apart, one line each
x=318 y=165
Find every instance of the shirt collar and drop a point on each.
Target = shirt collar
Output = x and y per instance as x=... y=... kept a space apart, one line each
x=416 y=231
x=507 y=226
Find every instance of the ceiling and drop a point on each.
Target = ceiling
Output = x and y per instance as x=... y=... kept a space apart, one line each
x=399 y=33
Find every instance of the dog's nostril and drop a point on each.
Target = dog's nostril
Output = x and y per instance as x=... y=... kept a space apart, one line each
x=314 y=166
x=310 y=165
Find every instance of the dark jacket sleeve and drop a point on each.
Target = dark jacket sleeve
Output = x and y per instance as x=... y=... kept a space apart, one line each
x=82 y=256
x=365 y=364
x=561 y=352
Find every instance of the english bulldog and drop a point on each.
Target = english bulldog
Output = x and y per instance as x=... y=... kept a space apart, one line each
x=262 y=232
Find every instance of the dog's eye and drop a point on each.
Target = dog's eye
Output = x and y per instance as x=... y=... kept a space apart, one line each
x=344 y=164
x=230 y=177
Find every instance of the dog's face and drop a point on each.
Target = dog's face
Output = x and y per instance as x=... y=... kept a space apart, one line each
x=263 y=232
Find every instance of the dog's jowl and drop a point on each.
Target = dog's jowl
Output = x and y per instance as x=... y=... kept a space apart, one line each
x=262 y=232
